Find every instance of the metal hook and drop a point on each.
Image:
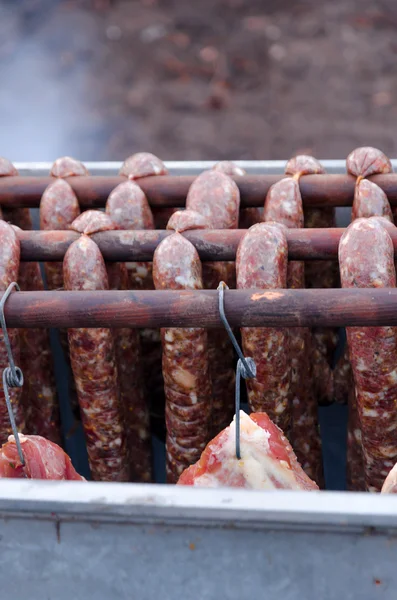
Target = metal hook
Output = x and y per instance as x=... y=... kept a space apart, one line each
x=12 y=375
x=246 y=367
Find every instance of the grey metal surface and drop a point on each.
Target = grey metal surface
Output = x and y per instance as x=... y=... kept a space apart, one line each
x=184 y=167
x=87 y=540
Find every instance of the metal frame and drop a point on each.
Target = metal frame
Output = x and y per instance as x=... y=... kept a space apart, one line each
x=104 y=540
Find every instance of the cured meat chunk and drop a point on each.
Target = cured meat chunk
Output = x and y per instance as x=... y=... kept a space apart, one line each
x=366 y=161
x=261 y=262
x=390 y=484
x=43 y=460
x=93 y=361
x=366 y=258
x=267 y=459
x=176 y=265
x=142 y=164
x=370 y=201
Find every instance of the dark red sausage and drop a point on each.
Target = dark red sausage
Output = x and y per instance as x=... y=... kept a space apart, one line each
x=216 y=197
x=366 y=161
x=9 y=267
x=176 y=265
x=93 y=360
x=318 y=274
x=284 y=205
x=129 y=363
x=366 y=259
x=261 y=261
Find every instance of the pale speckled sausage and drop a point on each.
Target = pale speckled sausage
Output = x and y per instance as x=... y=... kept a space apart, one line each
x=284 y=205
x=145 y=164
x=214 y=195
x=129 y=209
x=66 y=166
x=9 y=266
x=261 y=261
x=58 y=209
x=318 y=274
x=129 y=363
x=370 y=201
x=176 y=265
x=248 y=216
x=366 y=259
x=366 y=161
x=93 y=361
x=219 y=346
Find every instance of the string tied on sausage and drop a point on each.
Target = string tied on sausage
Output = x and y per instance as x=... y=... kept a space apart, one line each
x=12 y=375
x=246 y=366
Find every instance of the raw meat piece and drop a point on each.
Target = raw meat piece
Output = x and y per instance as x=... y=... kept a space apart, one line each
x=43 y=460
x=267 y=459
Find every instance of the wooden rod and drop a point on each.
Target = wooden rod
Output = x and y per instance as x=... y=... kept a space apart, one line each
x=171 y=190
x=250 y=308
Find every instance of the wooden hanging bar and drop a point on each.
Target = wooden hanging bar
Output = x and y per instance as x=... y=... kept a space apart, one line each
x=171 y=190
x=250 y=308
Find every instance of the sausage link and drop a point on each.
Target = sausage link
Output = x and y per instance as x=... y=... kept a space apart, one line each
x=369 y=201
x=9 y=266
x=128 y=360
x=93 y=360
x=248 y=216
x=38 y=396
x=176 y=265
x=284 y=205
x=144 y=164
x=318 y=274
x=216 y=197
x=261 y=261
x=66 y=166
x=366 y=259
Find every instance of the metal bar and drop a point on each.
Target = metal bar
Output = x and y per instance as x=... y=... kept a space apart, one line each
x=179 y=167
x=245 y=308
x=303 y=244
x=92 y=191
x=106 y=502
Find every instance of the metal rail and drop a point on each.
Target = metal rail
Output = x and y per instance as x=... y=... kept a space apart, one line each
x=303 y=244
x=169 y=190
x=199 y=308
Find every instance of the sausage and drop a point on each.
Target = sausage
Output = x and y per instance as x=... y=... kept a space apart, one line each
x=9 y=266
x=284 y=205
x=38 y=396
x=219 y=345
x=176 y=266
x=93 y=360
x=128 y=207
x=369 y=201
x=366 y=259
x=144 y=164
x=248 y=216
x=58 y=209
x=318 y=274
x=128 y=359
x=261 y=262
x=217 y=198
x=66 y=166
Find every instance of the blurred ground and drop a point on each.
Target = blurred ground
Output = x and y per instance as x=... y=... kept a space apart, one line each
x=201 y=79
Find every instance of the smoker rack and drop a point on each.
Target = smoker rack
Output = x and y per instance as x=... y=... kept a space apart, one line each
x=100 y=540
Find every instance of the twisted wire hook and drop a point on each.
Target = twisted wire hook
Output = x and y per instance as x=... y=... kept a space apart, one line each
x=12 y=375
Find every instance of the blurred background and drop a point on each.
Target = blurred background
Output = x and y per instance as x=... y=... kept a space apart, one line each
x=196 y=79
